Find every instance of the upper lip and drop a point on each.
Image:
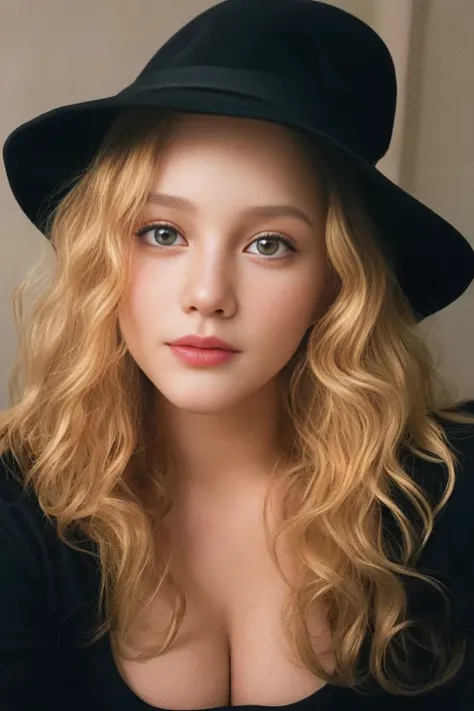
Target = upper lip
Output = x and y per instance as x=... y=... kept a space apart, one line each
x=202 y=342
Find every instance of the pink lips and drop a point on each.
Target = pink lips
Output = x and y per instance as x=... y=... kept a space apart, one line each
x=202 y=342
x=207 y=351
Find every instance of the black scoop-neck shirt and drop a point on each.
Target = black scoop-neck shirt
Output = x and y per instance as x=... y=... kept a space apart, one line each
x=47 y=591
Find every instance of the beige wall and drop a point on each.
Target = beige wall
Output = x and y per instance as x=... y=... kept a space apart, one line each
x=54 y=52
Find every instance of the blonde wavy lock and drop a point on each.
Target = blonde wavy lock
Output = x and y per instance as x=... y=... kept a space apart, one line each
x=81 y=424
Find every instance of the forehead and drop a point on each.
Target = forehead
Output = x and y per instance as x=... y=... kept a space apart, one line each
x=243 y=155
x=232 y=133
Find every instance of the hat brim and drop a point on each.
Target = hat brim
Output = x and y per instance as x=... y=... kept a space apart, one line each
x=432 y=261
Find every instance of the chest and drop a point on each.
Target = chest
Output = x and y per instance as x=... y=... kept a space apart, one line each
x=231 y=647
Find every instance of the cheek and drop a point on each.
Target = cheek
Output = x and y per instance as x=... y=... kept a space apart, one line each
x=284 y=318
x=150 y=286
x=141 y=305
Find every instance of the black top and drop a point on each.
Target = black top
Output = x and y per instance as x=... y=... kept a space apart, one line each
x=47 y=590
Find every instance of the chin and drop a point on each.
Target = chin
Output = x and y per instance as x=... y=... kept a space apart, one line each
x=205 y=402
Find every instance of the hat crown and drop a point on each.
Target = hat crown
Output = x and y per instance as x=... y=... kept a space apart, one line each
x=332 y=56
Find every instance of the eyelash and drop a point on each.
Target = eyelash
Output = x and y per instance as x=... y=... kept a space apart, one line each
x=265 y=235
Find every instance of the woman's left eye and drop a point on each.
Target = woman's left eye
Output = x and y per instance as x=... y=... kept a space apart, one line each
x=270 y=240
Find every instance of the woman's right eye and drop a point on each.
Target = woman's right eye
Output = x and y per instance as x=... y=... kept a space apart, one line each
x=160 y=234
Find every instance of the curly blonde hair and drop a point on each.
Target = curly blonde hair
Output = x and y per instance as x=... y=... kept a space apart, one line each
x=360 y=390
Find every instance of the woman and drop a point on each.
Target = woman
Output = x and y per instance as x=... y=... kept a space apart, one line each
x=227 y=477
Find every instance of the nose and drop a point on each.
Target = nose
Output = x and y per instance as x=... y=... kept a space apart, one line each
x=209 y=286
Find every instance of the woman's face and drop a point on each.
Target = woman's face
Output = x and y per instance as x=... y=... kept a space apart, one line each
x=217 y=261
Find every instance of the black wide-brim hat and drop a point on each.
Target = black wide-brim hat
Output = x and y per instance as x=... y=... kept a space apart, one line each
x=301 y=63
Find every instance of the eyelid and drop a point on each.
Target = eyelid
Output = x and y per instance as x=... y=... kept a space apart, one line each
x=156 y=223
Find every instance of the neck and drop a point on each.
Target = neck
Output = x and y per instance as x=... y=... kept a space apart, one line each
x=224 y=452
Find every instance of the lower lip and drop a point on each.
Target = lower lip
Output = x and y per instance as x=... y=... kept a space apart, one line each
x=202 y=356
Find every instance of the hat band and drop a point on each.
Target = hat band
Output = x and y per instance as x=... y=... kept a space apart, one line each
x=300 y=99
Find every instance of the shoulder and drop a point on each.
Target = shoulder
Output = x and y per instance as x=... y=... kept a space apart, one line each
x=43 y=600
x=21 y=519
x=460 y=436
x=448 y=552
x=31 y=549
x=21 y=515
x=432 y=476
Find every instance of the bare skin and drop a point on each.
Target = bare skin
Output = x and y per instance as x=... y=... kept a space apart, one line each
x=231 y=648
x=224 y=423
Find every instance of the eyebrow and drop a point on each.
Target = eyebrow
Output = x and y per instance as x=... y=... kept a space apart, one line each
x=180 y=203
